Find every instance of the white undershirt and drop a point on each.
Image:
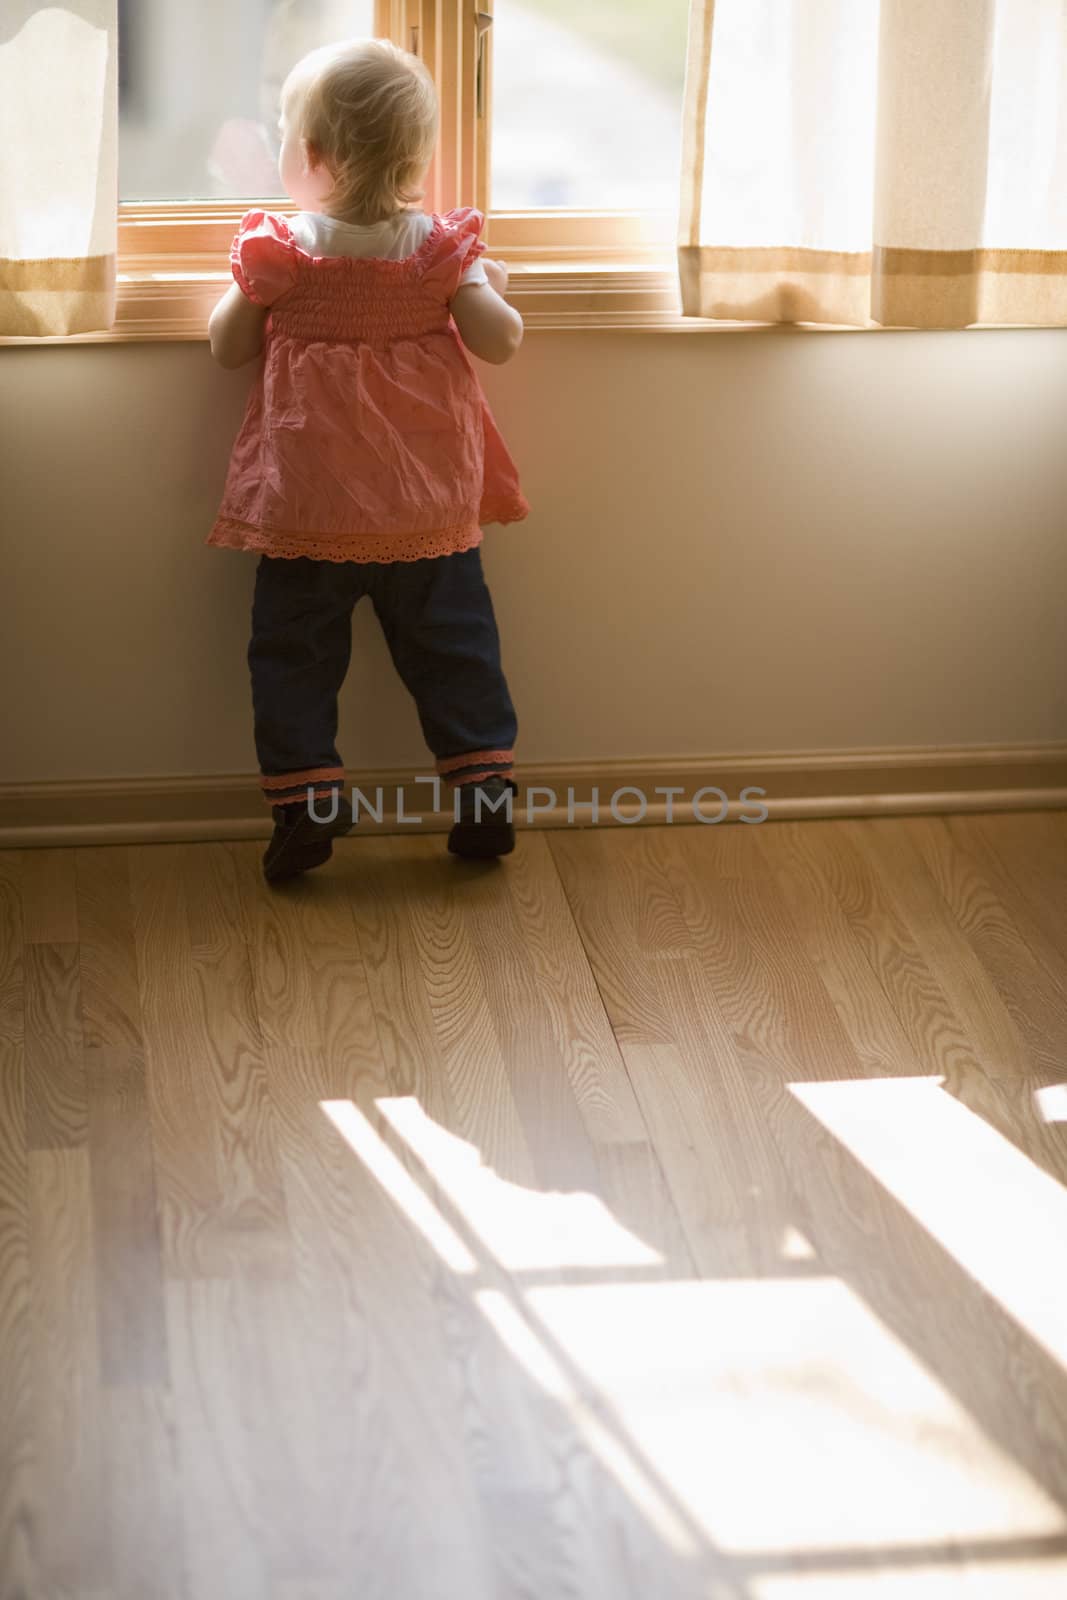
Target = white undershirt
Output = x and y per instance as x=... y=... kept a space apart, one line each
x=395 y=238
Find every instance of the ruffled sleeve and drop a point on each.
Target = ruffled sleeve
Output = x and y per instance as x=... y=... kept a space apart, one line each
x=262 y=257
x=457 y=248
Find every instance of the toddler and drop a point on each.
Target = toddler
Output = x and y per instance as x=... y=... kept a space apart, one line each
x=368 y=460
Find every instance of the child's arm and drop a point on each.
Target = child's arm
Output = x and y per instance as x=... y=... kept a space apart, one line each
x=488 y=326
x=236 y=328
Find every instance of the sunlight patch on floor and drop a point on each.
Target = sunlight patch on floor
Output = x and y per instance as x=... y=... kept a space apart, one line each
x=795 y=1247
x=522 y=1228
x=609 y=1447
x=398 y=1183
x=775 y=1419
x=996 y=1212
x=1051 y=1102
x=785 y=1416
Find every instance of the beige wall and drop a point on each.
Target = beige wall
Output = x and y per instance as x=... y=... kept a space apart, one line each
x=739 y=542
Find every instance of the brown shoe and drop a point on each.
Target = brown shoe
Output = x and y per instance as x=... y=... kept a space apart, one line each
x=493 y=833
x=299 y=842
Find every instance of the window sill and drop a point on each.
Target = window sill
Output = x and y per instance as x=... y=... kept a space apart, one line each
x=580 y=270
x=161 y=304
x=165 y=299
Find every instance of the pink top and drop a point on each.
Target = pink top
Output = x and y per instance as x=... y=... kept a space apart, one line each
x=366 y=436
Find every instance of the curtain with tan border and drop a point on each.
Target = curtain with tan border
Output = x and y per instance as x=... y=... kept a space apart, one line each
x=875 y=163
x=58 y=166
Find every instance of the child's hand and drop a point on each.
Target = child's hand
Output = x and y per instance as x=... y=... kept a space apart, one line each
x=497 y=273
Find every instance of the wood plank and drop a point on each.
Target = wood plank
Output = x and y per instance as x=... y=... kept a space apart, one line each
x=56 y=1103
x=49 y=899
x=551 y=950
x=892 y=851
x=770 y=995
x=1032 y=850
x=721 y=1169
x=310 y=988
x=601 y=894
x=719 y=1161
x=393 y=1492
x=796 y=854
x=215 y=906
x=18 y=1563
x=365 y=1287
x=214 y=1135
x=640 y=864
x=908 y=953
x=1008 y=942
x=128 y=1256
x=71 y=1509
x=635 y=1189
x=225 y=1451
x=544 y=1064
x=12 y=1000
x=436 y=911
x=18 y=1554
x=107 y=954
x=146 y=1521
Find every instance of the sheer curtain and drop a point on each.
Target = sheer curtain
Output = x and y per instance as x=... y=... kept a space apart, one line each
x=58 y=166
x=875 y=162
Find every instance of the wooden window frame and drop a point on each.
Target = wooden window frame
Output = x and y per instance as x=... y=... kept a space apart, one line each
x=568 y=269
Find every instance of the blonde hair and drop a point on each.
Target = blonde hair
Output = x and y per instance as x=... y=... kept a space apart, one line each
x=369 y=110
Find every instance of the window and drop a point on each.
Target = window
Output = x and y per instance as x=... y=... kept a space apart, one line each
x=587 y=102
x=199 y=124
x=561 y=119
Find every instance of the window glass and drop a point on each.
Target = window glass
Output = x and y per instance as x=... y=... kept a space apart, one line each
x=587 y=103
x=199 y=85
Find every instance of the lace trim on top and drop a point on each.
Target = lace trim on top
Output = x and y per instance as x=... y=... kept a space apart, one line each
x=231 y=535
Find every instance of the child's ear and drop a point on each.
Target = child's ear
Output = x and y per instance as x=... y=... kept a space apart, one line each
x=312 y=156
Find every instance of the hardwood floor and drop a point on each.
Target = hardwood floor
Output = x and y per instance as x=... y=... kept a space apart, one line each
x=659 y=1213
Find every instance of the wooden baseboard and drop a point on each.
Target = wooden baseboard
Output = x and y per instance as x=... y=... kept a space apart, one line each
x=796 y=784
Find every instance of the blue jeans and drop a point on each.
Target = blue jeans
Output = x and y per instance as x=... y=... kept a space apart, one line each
x=437 y=618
